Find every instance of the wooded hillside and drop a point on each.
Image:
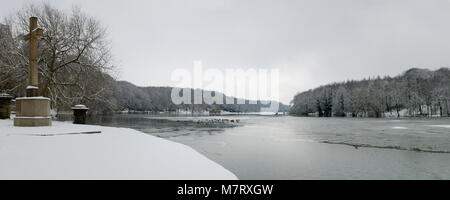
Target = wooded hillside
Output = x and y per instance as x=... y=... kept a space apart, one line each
x=420 y=92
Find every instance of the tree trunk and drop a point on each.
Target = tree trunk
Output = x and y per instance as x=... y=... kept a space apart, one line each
x=446 y=106
x=45 y=88
x=429 y=111
x=398 y=111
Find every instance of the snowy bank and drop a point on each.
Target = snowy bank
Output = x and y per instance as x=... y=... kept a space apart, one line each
x=61 y=152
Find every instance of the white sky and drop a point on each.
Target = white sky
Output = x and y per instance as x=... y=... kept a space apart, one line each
x=311 y=42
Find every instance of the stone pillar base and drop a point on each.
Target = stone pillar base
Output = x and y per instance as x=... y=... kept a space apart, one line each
x=32 y=121
x=33 y=111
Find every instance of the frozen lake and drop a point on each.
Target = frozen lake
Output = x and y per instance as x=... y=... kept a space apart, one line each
x=285 y=147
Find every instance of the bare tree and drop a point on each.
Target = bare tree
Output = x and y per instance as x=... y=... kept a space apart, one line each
x=12 y=61
x=74 y=55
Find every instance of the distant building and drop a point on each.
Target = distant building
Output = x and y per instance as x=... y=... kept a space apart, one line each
x=215 y=112
x=5 y=31
x=5 y=36
x=3 y=26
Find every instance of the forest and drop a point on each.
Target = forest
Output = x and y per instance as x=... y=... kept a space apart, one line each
x=137 y=98
x=414 y=93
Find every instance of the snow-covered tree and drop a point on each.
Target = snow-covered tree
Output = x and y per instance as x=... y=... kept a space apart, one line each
x=422 y=92
x=74 y=56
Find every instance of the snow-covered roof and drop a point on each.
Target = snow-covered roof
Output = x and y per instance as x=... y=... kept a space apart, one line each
x=43 y=98
x=4 y=95
x=32 y=87
x=80 y=107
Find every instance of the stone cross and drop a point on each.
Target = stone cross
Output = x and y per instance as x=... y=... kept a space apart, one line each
x=32 y=37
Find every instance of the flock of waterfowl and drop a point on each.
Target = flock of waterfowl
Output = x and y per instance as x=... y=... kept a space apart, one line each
x=217 y=122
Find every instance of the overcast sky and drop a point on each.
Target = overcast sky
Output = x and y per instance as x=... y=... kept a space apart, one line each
x=312 y=42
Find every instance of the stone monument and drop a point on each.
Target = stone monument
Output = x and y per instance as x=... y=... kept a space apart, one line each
x=33 y=110
x=5 y=105
x=79 y=114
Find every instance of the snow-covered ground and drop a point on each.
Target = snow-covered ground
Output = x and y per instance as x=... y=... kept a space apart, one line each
x=61 y=152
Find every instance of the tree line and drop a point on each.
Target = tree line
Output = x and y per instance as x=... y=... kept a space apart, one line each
x=416 y=92
x=132 y=97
